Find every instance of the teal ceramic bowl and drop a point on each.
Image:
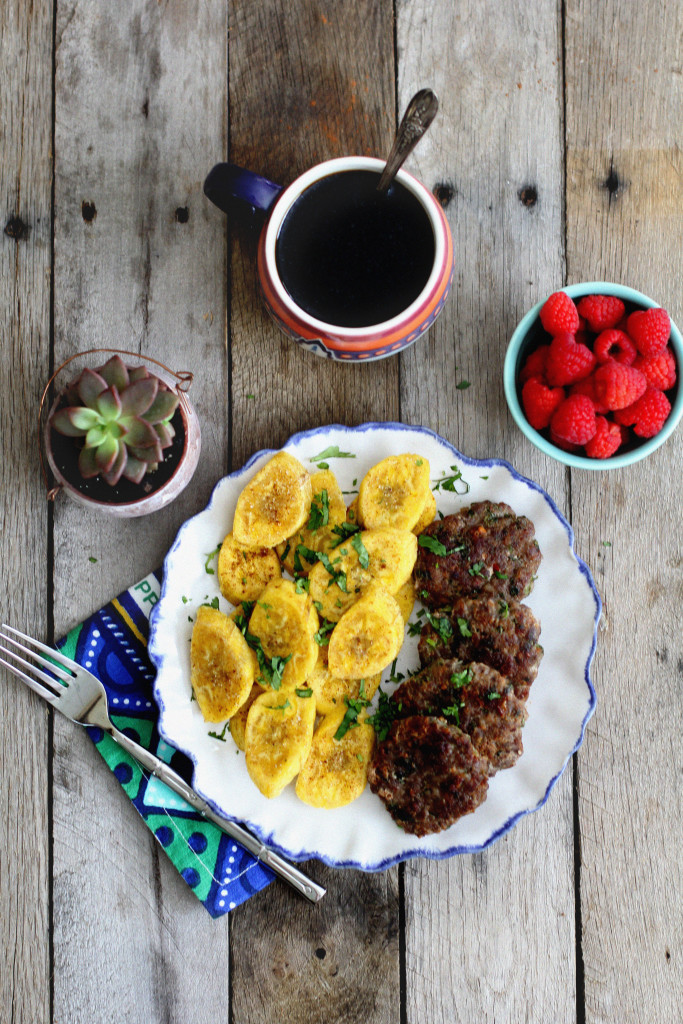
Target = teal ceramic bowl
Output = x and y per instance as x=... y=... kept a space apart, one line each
x=529 y=334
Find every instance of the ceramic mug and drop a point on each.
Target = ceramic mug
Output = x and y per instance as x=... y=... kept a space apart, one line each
x=346 y=323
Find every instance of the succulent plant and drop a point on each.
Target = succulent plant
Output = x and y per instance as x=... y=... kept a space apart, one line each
x=123 y=414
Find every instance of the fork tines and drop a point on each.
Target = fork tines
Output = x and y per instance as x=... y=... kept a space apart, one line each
x=31 y=671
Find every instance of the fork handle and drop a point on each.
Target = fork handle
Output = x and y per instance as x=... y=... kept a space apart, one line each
x=281 y=867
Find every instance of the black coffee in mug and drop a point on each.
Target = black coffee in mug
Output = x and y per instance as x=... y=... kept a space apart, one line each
x=351 y=256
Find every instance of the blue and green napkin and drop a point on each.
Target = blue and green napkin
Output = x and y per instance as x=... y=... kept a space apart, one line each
x=112 y=644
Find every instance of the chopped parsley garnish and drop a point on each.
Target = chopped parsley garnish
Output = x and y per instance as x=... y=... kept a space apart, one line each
x=322 y=637
x=91 y=558
x=463 y=385
x=441 y=624
x=448 y=483
x=221 y=735
x=282 y=707
x=301 y=551
x=363 y=554
x=338 y=575
x=492 y=695
x=500 y=575
x=333 y=452
x=354 y=706
x=503 y=608
x=384 y=715
x=344 y=531
x=320 y=511
x=464 y=628
x=304 y=691
x=213 y=603
x=460 y=679
x=436 y=547
x=302 y=584
x=211 y=554
x=475 y=569
x=453 y=711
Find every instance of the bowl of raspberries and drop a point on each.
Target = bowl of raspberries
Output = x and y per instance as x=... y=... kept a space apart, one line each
x=592 y=375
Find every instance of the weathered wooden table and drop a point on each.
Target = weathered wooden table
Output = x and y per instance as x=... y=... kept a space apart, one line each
x=557 y=157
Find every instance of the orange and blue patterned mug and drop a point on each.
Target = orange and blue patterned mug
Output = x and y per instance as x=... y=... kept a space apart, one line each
x=348 y=272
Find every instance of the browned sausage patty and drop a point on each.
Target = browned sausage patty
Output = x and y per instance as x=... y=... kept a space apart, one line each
x=484 y=547
x=428 y=774
x=472 y=696
x=500 y=633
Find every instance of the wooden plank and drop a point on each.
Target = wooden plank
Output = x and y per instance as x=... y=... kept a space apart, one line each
x=483 y=940
x=141 y=96
x=625 y=220
x=25 y=247
x=308 y=82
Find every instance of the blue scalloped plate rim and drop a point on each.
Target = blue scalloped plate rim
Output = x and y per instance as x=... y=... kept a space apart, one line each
x=269 y=837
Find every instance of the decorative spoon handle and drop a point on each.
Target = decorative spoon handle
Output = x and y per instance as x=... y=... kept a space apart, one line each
x=419 y=114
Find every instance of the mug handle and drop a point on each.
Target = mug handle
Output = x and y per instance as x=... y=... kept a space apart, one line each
x=227 y=182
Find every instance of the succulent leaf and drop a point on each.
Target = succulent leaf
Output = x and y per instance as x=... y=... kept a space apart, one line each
x=106 y=453
x=115 y=373
x=83 y=419
x=90 y=385
x=116 y=471
x=61 y=422
x=138 y=373
x=135 y=470
x=163 y=407
x=140 y=433
x=139 y=397
x=166 y=434
x=95 y=436
x=109 y=405
x=87 y=465
x=148 y=455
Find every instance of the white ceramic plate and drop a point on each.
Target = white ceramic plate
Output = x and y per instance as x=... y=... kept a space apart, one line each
x=362 y=835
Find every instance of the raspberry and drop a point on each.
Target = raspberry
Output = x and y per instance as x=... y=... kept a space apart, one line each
x=540 y=402
x=617 y=386
x=559 y=314
x=659 y=371
x=560 y=442
x=606 y=439
x=613 y=344
x=567 y=362
x=587 y=387
x=574 y=420
x=648 y=414
x=650 y=330
x=534 y=364
x=601 y=311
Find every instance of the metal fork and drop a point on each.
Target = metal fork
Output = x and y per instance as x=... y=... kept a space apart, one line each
x=80 y=696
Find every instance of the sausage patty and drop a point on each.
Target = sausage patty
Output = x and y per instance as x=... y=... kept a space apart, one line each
x=500 y=633
x=472 y=696
x=483 y=547
x=428 y=774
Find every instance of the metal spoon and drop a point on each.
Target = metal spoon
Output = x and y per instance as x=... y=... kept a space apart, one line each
x=419 y=114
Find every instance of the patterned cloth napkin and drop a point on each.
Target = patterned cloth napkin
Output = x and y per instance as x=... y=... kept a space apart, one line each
x=112 y=644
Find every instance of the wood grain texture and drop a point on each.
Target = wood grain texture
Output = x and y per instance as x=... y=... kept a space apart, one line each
x=482 y=940
x=25 y=241
x=307 y=82
x=141 y=94
x=625 y=220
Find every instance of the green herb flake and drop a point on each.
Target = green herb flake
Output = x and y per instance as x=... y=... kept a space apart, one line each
x=184 y=599
x=449 y=482
x=475 y=569
x=460 y=679
x=320 y=511
x=453 y=711
x=302 y=584
x=211 y=554
x=91 y=558
x=363 y=555
x=343 y=531
x=213 y=603
x=304 y=691
x=464 y=627
x=500 y=575
x=492 y=695
x=503 y=609
x=322 y=637
x=333 y=452
x=441 y=624
x=384 y=715
x=354 y=706
x=432 y=544
x=221 y=735
x=463 y=385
